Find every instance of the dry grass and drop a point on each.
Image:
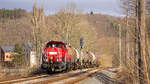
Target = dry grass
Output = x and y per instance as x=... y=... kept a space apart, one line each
x=2 y=75
x=24 y=73
x=125 y=76
x=34 y=71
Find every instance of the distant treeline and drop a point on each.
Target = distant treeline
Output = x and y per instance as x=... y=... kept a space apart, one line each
x=12 y=14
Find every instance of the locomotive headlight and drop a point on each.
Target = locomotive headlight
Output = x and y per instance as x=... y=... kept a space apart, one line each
x=51 y=58
x=45 y=58
x=52 y=53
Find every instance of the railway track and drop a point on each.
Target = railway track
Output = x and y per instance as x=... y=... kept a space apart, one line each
x=10 y=81
x=22 y=79
x=59 y=78
x=106 y=79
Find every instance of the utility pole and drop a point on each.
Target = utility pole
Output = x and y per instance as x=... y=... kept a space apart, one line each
x=120 y=54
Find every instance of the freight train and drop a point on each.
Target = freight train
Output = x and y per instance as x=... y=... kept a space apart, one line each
x=58 y=56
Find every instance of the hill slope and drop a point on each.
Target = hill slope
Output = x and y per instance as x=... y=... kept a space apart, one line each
x=19 y=30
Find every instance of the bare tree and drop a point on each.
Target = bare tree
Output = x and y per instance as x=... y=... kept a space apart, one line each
x=39 y=30
x=142 y=26
x=140 y=40
x=70 y=26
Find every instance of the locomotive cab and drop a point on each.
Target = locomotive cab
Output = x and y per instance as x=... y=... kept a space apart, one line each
x=54 y=56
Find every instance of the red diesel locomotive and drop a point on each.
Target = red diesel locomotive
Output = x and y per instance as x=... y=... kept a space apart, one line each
x=56 y=57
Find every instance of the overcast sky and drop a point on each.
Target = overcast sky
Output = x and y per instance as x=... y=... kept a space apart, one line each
x=111 y=7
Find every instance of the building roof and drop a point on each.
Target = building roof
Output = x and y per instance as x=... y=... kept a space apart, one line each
x=28 y=45
x=8 y=48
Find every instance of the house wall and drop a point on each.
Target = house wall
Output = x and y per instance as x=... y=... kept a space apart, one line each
x=9 y=56
x=2 y=55
x=27 y=54
x=33 y=59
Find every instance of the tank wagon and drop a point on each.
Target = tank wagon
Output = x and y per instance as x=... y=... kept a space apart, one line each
x=58 y=56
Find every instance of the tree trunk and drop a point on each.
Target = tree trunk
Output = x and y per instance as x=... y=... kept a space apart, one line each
x=142 y=28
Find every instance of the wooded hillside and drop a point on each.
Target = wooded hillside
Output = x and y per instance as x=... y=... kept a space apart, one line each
x=98 y=31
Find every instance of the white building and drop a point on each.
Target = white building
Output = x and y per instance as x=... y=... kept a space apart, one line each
x=30 y=54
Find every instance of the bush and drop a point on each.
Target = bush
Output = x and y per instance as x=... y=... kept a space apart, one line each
x=19 y=58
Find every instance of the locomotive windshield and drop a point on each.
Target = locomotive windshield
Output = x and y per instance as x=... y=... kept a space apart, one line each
x=57 y=45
